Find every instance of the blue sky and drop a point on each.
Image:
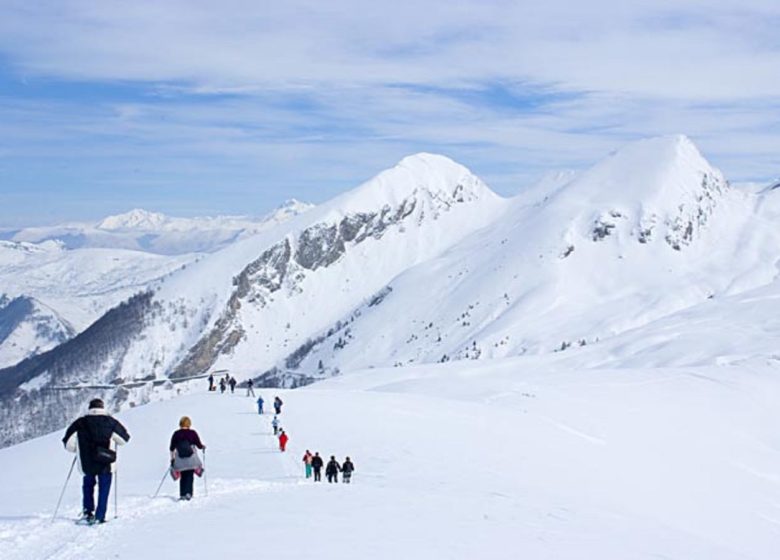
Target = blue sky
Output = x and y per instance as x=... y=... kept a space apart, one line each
x=192 y=109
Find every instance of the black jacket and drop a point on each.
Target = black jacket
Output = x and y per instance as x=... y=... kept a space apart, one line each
x=333 y=467
x=347 y=467
x=316 y=462
x=92 y=431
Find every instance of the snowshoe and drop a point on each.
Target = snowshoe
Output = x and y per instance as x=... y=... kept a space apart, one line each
x=87 y=518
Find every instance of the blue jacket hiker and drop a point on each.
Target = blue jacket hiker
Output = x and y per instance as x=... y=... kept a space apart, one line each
x=94 y=438
x=259 y=405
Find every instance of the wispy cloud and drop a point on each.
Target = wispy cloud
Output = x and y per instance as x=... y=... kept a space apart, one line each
x=148 y=101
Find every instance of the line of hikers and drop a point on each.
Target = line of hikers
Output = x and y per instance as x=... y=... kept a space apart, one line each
x=95 y=437
x=277 y=405
x=224 y=383
x=314 y=463
x=230 y=382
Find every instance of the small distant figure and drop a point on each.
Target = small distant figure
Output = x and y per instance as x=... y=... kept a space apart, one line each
x=275 y=424
x=222 y=386
x=332 y=470
x=232 y=383
x=211 y=382
x=283 y=441
x=347 y=468
x=307 y=458
x=278 y=405
x=260 y=404
x=316 y=465
x=184 y=459
x=250 y=391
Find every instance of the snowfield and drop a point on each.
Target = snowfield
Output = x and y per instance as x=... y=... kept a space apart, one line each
x=508 y=459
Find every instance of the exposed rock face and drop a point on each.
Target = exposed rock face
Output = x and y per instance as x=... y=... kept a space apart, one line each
x=288 y=262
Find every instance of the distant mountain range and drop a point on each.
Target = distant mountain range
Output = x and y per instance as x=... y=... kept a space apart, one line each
x=153 y=232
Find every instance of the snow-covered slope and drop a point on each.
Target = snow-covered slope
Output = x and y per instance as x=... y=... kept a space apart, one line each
x=28 y=327
x=463 y=460
x=79 y=285
x=651 y=230
x=255 y=301
x=424 y=264
x=142 y=230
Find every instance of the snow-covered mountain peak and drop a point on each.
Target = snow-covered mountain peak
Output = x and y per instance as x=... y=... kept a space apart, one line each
x=286 y=210
x=430 y=176
x=137 y=218
x=659 y=187
x=654 y=171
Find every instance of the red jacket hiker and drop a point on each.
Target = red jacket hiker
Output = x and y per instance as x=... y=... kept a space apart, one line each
x=283 y=440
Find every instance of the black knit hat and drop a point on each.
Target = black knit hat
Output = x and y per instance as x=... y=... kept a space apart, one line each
x=96 y=403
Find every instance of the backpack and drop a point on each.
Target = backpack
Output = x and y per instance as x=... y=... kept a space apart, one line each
x=184 y=449
x=102 y=455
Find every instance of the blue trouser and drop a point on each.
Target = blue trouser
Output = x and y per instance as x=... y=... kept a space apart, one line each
x=104 y=488
x=259 y=408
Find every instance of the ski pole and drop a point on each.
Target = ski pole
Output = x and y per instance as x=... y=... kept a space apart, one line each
x=62 y=494
x=116 y=494
x=165 y=474
x=205 y=474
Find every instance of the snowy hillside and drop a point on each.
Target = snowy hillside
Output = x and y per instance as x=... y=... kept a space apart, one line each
x=28 y=327
x=269 y=292
x=424 y=264
x=647 y=232
x=54 y=293
x=153 y=232
x=464 y=460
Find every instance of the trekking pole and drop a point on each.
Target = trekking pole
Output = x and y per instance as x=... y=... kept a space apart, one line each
x=116 y=494
x=165 y=475
x=62 y=494
x=205 y=474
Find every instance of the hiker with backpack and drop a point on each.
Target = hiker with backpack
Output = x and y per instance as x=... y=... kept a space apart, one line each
x=211 y=382
x=222 y=386
x=260 y=404
x=347 y=468
x=278 y=405
x=332 y=470
x=307 y=457
x=94 y=438
x=283 y=441
x=250 y=392
x=232 y=384
x=184 y=457
x=316 y=465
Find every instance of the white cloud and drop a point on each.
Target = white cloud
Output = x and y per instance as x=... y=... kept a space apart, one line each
x=319 y=95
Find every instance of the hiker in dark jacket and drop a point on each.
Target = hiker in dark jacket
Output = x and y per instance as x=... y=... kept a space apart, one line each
x=347 y=468
x=211 y=382
x=316 y=464
x=278 y=405
x=222 y=386
x=184 y=457
x=250 y=391
x=95 y=437
x=232 y=383
x=332 y=470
